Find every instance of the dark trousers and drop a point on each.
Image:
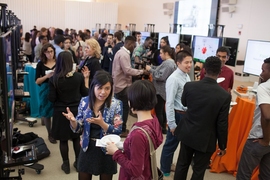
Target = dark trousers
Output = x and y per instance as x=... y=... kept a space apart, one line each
x=254 y=154
x=160 y=112
x=169 y=147
x=201 y=161
x=122 y=96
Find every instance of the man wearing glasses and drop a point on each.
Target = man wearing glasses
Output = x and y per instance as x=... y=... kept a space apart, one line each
x=223 y=54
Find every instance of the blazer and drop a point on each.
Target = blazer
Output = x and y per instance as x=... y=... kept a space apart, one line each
x=93 y=65
x=206 y=118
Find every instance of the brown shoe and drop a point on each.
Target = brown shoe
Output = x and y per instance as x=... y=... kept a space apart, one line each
x=124 y=134
x=52 y=140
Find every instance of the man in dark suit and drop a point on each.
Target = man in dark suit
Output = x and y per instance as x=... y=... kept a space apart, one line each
x=205 y=122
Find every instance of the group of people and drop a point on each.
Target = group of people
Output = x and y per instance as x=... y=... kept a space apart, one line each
x=104 y=92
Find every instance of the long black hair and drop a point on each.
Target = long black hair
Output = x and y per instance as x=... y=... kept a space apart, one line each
x=64 y=65
x=100 y=78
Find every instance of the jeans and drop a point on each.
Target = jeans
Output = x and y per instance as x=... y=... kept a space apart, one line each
x=254 y=154
x=169 y=147
x=122 y=96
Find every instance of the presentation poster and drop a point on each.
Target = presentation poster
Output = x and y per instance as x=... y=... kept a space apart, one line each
x=144 y=36
x=205 y=47
x=256 y=53
x=173 y=38
x=194 y=16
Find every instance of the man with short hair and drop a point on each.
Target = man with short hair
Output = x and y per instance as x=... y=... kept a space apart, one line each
x=43 y=40
x=118 y=43
x=107 y=52
x=256 y=151
x=87 y=33
x=205 y=122
x=223 y=54
x=122 y=73
x=58 y=44
x=102 y=40
x=96 y=35
x=141 y=51
x=174 y=108
x=138 y=36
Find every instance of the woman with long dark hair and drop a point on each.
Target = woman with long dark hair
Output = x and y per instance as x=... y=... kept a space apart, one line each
x=99 y=114
x=164 y=41
x=160 y=74
x=67 y=87
x=44 y=71
x=67 y=47
x=27 y=46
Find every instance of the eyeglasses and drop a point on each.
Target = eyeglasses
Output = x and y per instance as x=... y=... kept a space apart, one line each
x=49 y=52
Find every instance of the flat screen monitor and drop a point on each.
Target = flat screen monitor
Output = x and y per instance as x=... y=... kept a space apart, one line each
x=144 y=36
x=232 y=45
x=256 y=53
x=173 y=38
x=93 y=31
x=203 y=47
x=111 y=31
x=6 y=85
x=126 y=33
x=186 y=39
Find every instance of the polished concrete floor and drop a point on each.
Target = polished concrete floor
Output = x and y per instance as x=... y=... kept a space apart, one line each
x=52 y=164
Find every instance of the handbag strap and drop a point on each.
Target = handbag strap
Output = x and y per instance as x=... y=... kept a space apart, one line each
x=152 y=154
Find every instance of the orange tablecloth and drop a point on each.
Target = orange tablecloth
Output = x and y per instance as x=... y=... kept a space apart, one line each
x=239 y=125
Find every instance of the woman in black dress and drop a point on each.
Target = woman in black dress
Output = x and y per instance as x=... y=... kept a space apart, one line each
x=67 y=87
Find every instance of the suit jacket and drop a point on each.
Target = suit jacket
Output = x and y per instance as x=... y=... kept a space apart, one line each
x=105 y=63
x=206 y=118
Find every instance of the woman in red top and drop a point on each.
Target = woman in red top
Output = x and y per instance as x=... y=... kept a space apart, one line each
x=135 y=159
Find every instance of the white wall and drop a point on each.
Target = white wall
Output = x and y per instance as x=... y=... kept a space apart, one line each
x=62 y=14
x=253 y=16
x=142 y=12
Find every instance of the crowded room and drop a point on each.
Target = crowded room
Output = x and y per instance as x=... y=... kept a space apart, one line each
x=125 y=90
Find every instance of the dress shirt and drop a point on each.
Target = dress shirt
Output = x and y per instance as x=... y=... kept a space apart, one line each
x=174 y=89
x=57 y=50
x=122 y=71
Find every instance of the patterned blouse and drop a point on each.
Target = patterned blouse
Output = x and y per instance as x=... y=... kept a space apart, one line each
x=111 y=115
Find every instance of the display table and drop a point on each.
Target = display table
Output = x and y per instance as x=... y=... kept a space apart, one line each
x=239 y=125
x=31 y=87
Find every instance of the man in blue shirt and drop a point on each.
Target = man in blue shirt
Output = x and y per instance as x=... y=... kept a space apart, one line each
x=58 y=44
x=174 y=108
